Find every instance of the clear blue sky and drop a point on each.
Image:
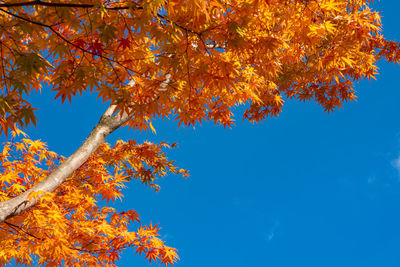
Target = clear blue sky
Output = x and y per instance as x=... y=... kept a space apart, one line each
x=307 y=189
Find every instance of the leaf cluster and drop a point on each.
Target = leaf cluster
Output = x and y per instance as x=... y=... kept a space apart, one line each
x=69 y=226
x=217 y=55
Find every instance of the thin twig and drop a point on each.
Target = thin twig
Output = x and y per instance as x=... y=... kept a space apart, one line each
x=16 y=227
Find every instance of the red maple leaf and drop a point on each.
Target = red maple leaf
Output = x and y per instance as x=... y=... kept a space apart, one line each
x=124 y=43
x=96 y=48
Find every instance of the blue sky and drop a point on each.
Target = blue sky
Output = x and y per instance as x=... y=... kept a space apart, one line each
x=306 y=189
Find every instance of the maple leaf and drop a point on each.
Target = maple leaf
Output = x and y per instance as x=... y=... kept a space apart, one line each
x=152 y=254
x=170 y=256
x=124 y=43
x=80 y=43
x=152 y=230
x=140 y=249
x=96 y=48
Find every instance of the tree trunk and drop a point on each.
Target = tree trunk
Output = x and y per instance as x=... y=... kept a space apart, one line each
x=107 y=124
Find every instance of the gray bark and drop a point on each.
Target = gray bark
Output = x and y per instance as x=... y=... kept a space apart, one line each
x=107 y=124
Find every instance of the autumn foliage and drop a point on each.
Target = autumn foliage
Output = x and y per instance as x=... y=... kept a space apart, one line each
x=67 y=225
x=188 y=61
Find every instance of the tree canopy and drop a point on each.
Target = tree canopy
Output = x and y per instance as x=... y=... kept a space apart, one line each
x=188 y=61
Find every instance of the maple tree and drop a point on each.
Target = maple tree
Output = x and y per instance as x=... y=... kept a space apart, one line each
x=184 y=60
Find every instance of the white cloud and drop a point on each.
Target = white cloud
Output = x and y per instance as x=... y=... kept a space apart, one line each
x=396 y=164
x=272 y=231
x=271 y=236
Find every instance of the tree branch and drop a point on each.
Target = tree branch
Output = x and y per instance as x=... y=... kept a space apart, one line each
x=107 y=124
x=66 y=40
x=42 y=3
x=19 y=229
